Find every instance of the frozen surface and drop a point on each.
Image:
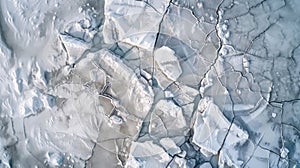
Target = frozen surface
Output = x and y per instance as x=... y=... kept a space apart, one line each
x=149 y=83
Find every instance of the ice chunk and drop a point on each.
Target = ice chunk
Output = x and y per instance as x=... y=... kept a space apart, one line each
x=167 y=120
x=206 y=165
x=170 y=146
x=180 y=162
x=211 y=127
x=134 y=95
x=105 y=154
x=167 y=62
x=147 y=154
x=74 y=47
x=116 y=119
x=133 y=22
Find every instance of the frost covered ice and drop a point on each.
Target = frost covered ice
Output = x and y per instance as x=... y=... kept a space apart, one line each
x=149 y=83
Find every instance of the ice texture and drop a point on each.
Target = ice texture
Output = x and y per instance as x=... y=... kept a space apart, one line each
x=149 y=83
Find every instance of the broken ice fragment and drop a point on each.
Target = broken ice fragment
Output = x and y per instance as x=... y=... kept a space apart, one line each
x=167 y=62
x=133 y=22
x=167 y=120
x=211 y=127
x=135 y=95
x=105 y=154
x=206 y=165
x=179 y=162
x=74 y=47
x=147 y=154
x=170 y=146
x=284 y=152
x=116 y=119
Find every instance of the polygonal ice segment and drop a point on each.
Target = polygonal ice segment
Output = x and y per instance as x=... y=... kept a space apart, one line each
x=211 y=127
x=74 y=47
x=105 y=155
x=135 y=95
x=119 y=125
x=182 y=24
x=147 y=154
x=260 y=158
x=170 y=146
x=79 y=116
x=162 y=80
x=89 y=74
x=183 y=33
x=167 y=120
x=167 y=62
x=206 y=165
x=133 y=22
x=186 y=97
x=183 y=94
x=179 y=162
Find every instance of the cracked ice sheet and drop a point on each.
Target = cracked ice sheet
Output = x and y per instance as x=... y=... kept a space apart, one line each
x=149 y=83
x=133 y=22
x=213 y=133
